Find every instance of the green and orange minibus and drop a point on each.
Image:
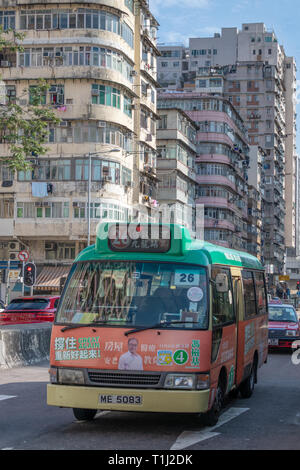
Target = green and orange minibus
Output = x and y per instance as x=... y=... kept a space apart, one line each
x=152 y=320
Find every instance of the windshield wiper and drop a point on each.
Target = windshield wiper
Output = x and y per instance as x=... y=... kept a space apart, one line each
x=82 y=325
x=157 y=325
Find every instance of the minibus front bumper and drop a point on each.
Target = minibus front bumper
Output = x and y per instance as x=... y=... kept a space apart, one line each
x=104 y=398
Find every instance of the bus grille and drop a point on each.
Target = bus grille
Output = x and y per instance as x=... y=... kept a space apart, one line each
x=126 y=379
x=274 y=333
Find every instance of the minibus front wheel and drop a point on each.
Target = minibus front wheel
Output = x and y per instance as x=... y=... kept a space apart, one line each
x=83 y=414
x=210 y=418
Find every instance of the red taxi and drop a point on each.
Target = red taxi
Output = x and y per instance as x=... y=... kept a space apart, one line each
x=34 y=309
x=284 y=326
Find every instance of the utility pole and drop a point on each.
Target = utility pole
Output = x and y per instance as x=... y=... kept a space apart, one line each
x=89 y=199
x=7 y=296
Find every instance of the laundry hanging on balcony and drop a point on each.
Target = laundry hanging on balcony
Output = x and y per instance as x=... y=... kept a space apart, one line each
x=39 y=189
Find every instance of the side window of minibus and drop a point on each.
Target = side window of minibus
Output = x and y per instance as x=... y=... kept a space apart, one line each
x=222 y=301
x=260 y=293
x=249 y=294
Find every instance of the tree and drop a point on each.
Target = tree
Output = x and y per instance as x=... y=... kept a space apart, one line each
x=24 y=128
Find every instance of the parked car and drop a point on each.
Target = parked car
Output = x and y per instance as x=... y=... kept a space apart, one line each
x=284 y=326
x=275 y=300
x=2 y=305
x=33 y=309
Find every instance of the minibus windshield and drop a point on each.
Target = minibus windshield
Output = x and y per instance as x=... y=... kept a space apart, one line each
x=135 y=294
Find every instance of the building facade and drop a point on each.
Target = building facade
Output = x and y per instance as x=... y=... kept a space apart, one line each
x=176 y=165
x=252 y=71
x=99 y=61
x=221 y=165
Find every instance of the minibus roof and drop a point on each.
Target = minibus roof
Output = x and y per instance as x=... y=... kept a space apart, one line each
x=181 y=248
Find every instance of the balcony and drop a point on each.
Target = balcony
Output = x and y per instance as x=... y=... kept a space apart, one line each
x=216 y=179
x=219 y=224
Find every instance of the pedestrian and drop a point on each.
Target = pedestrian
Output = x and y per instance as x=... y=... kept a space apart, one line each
x=279 y=291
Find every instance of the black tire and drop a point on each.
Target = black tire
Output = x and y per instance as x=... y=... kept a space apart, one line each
x=247 y=386
x=84 y=415
x=211 y=417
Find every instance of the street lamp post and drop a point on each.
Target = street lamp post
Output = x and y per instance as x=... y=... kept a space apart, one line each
x=89 y=199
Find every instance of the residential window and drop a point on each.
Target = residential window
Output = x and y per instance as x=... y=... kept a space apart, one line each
x=106 y=95
x=36 y=98
x=163 y=122
x=6 y=208
x=7 y=19
x=57 y=210
x=202 y=83
x=101 y=170
x=25 y=210
x=144 y=119
x=10 y=93
x=66 y=250
x=127 y=106
x=83 y=18
x=57 y=94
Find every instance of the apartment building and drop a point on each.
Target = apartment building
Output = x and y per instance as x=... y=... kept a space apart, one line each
x=252 y=71
x=221 y=165
x=176 y=166
x=99 y=60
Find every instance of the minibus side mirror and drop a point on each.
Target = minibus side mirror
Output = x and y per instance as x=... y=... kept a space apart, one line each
x=221 y=282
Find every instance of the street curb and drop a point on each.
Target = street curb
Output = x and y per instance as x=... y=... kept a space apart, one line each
x=22 y=345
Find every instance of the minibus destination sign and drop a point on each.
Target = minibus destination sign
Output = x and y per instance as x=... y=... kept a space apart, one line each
x=139 y=238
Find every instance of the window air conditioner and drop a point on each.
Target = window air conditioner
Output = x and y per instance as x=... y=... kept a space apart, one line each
x=95 y=93
x=13 y=246
x=101 y=124
x=5 y=63
x=13 y=255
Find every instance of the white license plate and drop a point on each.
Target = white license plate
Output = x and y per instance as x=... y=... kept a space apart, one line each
x=273 y=342
x=120 y=399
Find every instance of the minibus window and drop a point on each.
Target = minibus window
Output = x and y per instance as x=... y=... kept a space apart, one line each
x=222 y=302
x=134 y=294
x=249 y=294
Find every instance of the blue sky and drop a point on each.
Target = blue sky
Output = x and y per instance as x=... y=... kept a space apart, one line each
x=182 y=19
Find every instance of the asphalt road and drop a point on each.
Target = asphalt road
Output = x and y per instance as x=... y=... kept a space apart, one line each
x=270 y=419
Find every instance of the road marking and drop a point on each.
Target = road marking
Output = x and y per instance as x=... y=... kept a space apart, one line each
x=188 y=438
x=6 y=397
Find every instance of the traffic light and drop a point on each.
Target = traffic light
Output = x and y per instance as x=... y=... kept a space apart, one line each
x=298 y=285
x=29 y=274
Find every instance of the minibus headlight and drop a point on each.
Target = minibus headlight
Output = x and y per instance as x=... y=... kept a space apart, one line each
x=290 y=333
x=180 y=381
x=71 y=376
